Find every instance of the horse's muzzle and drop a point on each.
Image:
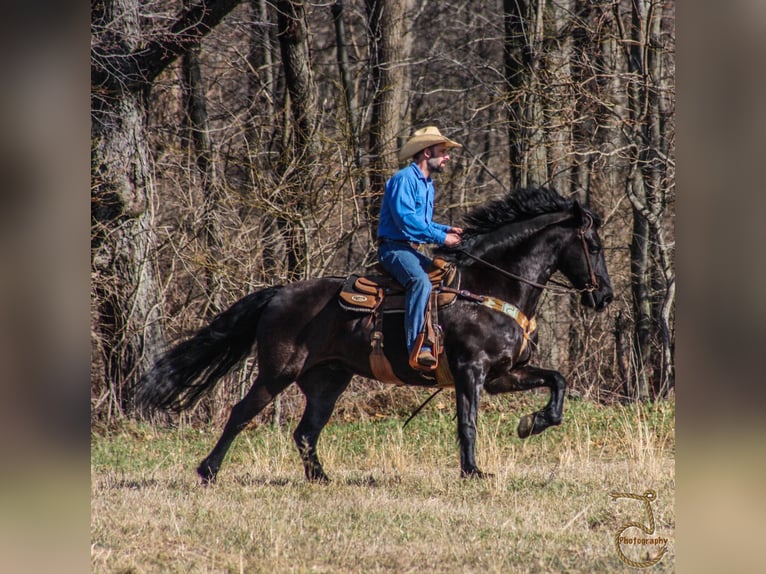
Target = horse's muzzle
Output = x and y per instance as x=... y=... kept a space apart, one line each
x=598 y=300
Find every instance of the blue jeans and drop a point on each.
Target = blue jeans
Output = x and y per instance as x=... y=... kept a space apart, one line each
x=408 y=267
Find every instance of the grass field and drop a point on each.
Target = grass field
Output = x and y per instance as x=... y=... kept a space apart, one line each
x=396 y=502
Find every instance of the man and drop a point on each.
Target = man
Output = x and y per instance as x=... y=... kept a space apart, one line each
x=406 y=224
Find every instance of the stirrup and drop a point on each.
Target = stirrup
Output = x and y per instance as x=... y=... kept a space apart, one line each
x=422 y=357
x=426 y=357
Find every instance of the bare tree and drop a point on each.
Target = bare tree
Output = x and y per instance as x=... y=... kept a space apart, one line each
x=294 y=114
x=301 y=159
x=558 y=96
x=648 y=186
x=523 y=55
x=267 y=138
x=389 y=47
x=126 y=297
x=195 y=106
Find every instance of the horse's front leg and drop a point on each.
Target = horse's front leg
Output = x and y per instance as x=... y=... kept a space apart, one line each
x=526 y=378
x=467 y=395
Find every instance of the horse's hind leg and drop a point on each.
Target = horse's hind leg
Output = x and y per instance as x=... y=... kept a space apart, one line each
x=322 y=387
x=260 y=395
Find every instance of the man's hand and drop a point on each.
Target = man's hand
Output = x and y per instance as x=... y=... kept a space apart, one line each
x=458 y=230
x=452 y=239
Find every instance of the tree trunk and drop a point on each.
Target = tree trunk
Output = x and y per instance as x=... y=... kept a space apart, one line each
x=302 y=159
x=642 y=307
x=526 y=124
x=640 y=187
x=202 y=152
x=558 y=98
x=347 y=86
x=353 y=129
x=263 y=130
x=653 y=299
x=292 y=30
x=389 y=50
x=126 y=296
x=126 y=293
x=584 y=80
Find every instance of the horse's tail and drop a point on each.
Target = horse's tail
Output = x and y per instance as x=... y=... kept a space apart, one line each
x=192 y=368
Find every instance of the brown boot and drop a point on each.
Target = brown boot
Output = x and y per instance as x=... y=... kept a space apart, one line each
x=426 y=357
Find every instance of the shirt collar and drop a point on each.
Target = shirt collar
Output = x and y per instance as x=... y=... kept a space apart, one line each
x=419 y=173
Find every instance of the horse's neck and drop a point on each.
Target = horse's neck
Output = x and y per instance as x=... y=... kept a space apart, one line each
x=535 y=261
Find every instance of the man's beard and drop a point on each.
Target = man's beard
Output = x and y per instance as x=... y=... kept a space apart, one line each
x=435 y=165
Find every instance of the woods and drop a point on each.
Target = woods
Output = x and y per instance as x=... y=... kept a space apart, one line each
x=237 y=145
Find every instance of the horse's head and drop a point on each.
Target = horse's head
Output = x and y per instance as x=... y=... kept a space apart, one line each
x=502 y=235
x=582 y=260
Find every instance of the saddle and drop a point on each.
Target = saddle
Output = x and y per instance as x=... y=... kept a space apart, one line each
x=379 y=294
x=370 y=293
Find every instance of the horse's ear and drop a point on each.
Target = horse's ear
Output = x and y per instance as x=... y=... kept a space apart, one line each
x=583 y=218
x=578 y=214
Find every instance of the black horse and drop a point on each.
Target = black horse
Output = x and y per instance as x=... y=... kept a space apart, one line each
x=510 y=249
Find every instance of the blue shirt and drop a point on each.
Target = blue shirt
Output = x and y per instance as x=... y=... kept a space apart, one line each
x=407 y=208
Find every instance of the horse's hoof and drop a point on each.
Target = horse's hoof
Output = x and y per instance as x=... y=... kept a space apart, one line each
x=475 y=473
x=322 y=479
x=206 y=474
x=526 y=426
x=317 y=476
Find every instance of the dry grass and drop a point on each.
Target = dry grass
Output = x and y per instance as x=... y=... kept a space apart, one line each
x=396 y=503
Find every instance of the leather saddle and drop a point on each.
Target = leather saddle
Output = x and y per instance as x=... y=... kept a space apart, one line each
x=370 y=293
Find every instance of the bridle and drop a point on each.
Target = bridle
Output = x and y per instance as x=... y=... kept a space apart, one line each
x=558 y=287
x=592 y=284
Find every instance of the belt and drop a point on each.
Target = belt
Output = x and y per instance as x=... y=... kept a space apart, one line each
x=410 y=244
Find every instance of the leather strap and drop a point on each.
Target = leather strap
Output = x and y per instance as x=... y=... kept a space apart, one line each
x=379 y=363
x=528 y=324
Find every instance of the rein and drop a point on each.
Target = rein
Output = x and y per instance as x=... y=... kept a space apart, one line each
x=592 y=279
x=558 y=287
x=562 y=287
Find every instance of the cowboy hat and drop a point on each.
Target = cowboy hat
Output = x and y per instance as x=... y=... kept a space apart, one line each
x=423 y=138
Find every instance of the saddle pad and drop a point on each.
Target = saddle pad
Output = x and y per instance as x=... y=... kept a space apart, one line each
x=361 y=292
x=441 y=273
x=354 y=300
x=358 y=294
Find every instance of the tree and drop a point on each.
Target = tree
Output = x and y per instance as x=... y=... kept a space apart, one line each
x=301 y=159
x=293 y=113
x=523 y=58
x=389 y=47
x=127 y=327
x=195 y=106
x=648 y=186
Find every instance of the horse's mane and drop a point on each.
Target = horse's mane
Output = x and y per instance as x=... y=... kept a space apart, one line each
x=515 y=207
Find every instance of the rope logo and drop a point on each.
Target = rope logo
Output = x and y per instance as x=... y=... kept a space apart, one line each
x=649 y=529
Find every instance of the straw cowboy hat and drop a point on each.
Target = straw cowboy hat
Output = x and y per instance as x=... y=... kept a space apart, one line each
x=423 y=138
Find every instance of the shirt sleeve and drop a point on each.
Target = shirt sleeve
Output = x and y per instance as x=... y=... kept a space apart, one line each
x=409 y=213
